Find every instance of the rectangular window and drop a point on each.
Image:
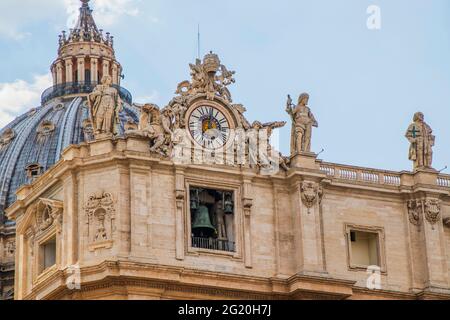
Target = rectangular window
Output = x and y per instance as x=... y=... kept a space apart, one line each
x=47 y=255
x=364 y=248
x=212 y=219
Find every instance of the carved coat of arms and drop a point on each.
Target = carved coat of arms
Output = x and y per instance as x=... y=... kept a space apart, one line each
x=311 y=194
x=432 y=210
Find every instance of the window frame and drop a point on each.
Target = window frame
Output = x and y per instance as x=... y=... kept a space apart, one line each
x=39 y=272
x=236 y=189
x=379 y=231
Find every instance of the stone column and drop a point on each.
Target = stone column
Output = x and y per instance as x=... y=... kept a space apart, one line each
x=54 y=75
x=123 y=223
x=94 y=69
x=81 y=68
x=115 y=73
x=69 y=70
x=105 y=66
x=306 y=203
x=426 y=240
x=180 y=194
x=71 y=217
x=20 y=272
x=59 y=72
x=247 y=201
x=141 y=219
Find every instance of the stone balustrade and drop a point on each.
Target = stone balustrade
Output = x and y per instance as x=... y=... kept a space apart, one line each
x=361 y=174
x=371 y=176
x=444 y=181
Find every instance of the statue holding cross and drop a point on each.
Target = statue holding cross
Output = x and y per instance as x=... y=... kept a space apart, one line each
x=302 y=123
x=422 y=140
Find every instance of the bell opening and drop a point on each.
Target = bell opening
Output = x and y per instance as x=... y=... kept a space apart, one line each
x=212 y=219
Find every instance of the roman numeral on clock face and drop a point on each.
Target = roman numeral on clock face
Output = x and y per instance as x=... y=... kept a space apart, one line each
x=209 y=127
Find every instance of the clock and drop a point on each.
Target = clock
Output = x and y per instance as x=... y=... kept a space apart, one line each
x=209 y=127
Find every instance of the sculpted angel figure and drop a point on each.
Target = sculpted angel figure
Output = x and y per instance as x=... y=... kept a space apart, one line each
x=422 y=140
x=104 y=106
x=179 y=107
x=157 y=126
x=242 y=121
x=274 y=155
x=208 y=77
x=302 y=122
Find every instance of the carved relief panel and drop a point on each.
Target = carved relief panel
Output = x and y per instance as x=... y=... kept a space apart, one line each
x=100 y=211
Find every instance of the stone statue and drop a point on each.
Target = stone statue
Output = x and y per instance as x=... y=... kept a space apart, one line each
x=208 y=77
x=104 y=106
x=422 y=140
x=302 y=122
x=178 y=107
x=156 y=126
x=242 y=120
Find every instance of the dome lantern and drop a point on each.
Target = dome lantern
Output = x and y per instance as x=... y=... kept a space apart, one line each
x=85 y=55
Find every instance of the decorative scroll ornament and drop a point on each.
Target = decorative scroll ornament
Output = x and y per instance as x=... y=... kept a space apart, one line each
x=311 y=194
x=157 y=126
x=209 y=77
x=6 y=138
x=432 y=211
x=415 y=210
x=101 y=214
x=49 y=213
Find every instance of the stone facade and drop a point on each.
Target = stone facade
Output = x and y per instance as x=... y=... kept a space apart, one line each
x=286 y=248
x=191 y=201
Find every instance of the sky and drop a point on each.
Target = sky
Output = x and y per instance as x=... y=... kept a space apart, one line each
x=365 y=84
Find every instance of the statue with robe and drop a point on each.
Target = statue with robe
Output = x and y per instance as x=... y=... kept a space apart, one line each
x=104 y=107
x=302 y=123
x=422 y=140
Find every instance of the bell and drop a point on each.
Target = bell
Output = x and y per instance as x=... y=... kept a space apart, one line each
x=202 y=226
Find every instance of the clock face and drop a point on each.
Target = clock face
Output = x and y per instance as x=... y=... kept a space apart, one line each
x=209 y=127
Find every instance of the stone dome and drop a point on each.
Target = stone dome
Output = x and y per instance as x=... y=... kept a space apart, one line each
x=33 y=142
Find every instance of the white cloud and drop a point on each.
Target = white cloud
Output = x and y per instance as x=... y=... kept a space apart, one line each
x=152 y=98
x=17 y=16
x=20 y=96
x=106 y=12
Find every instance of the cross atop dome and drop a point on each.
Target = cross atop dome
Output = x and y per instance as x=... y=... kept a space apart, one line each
x=85 y=56
x=85 y=29
x=86 y=20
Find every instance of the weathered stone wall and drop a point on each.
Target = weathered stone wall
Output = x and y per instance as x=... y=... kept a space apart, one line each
x=288 y=244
